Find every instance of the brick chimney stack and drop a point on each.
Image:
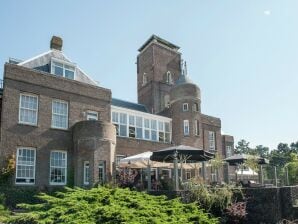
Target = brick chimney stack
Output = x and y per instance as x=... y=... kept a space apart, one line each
x=56 y=43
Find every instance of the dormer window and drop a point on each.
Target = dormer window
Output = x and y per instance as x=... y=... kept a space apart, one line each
x=169 y=78
x=62 y=69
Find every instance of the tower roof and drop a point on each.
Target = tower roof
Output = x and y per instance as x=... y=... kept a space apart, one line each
x=157 y=39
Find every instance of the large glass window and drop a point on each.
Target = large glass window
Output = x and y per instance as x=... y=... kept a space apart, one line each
x=86 y=173
x=63 y=70
x=115 y=120
x=147 y=129
x=28 y=109
x=153 y=130
x=211 y=140
x=161 y=133
x=25 y=166
x=186 y=127
x=58 y=167
x=59 y=114
x=139 y=125
x=132 y=126
x=167 y=132
x=123 y=125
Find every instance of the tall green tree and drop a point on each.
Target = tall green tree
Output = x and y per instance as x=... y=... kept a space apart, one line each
x=242 y=147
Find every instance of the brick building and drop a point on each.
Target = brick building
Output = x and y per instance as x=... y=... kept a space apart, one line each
x=63 y=128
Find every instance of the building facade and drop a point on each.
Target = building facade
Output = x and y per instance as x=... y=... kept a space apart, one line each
x=62 y=128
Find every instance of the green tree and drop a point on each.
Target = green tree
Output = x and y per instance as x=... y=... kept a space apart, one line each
x=292 y=167
x=242 y=147
x=262 y=151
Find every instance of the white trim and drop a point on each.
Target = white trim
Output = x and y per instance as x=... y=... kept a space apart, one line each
x=186 y=124
x=54 y=183
x=17 y=160
x=140 y=113
x=35 y=57
x=32 y=95
x=67 y=120
x=186 y=105
x=91 y=112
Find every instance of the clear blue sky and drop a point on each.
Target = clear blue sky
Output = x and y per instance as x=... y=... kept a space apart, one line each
x=242 y=54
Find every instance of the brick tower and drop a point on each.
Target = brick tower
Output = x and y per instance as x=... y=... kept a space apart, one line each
x=158 y=68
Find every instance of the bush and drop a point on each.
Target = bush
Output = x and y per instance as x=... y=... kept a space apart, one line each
x=106 y=205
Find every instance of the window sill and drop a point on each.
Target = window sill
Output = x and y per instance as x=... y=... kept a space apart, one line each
x=59 y=129
x=30 y=125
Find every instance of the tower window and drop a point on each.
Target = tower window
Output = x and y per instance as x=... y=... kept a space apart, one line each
x=169 y=78
x=186 y=127
x=145 y=79
x=197 y=130
x=196 y=107
x=211 y=141
x=185 y=107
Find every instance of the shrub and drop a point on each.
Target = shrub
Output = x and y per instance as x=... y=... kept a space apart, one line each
x=106 y=205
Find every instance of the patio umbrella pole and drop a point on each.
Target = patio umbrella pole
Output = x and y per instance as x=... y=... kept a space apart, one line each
x=149 y=176
x=176 y=171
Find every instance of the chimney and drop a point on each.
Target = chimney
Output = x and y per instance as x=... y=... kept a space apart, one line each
x=56 y=43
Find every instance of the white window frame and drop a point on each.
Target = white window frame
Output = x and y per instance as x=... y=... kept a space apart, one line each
x=211 y=137
x=186 y=127
x=67 y=117
x=17 y=164
x=185 y=107
x=86 y=171
x=58 y=183
x=90 y=115
x=55 y=60
x=36 y=110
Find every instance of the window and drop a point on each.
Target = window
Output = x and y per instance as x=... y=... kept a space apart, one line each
x=211 y=141
x=167 y=132
x=123 y=125
x=28 y=109
x=186 y=127
x=147 y=129
x=102 y=172
x=92 y=115
x=86 y=173
x=188 y=174
x=132 y=127
x=139 y=124
x=228 y=150
x=25 y=165
x=118 y=158
x=153 y=130
x=185 y=107
x=196 y=107
x=58 y=170
x=145 y=79
x=197 y=127
x=169 y=78
x=63 y=70
x=115 y=120
x=161 y=133
x=59 y=114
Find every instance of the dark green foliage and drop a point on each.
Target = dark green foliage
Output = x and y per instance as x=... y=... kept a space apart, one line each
x=107 y=205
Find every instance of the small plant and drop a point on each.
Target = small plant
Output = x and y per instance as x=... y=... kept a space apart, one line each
x=8 y=170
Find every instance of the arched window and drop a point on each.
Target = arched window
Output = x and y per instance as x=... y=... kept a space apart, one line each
x=169 y=77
